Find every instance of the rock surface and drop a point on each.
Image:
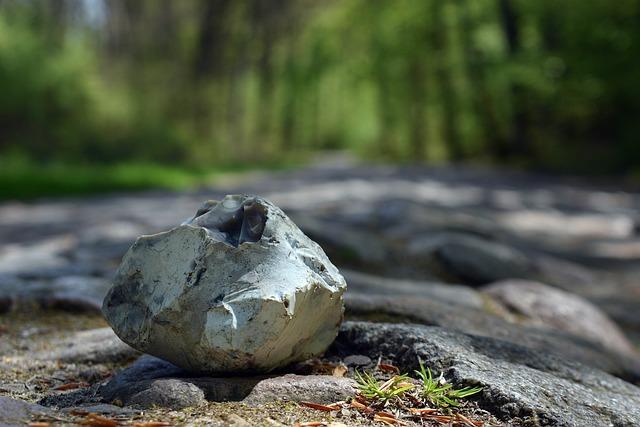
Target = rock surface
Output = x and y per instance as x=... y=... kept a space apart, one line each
x=237 y=288
x=533 y=386
x=384 y=308
x=14 y=412
x=538 y=304
x=151 y=381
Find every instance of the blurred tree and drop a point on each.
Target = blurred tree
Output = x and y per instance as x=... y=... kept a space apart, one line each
x=534 y=84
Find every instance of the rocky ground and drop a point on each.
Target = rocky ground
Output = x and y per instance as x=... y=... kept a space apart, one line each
x=523 y=285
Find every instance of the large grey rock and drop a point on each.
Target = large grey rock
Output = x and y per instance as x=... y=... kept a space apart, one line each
x=539 y=304
x=237 y=288
x=532 y=385
x=427 y=311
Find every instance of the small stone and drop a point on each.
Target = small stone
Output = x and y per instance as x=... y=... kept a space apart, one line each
x=14 y=412
x=235 y=420
x=237 y=288
x=313 y=388
x=102 y=408
x=357 y=360
x=168 y=393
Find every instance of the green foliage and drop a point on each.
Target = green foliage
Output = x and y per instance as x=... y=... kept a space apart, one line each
x=440 y=393
x=545 y=84
x=383 y=392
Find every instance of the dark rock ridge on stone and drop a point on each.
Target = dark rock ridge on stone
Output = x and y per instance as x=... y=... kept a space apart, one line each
x=435 y=313
x=518 y=383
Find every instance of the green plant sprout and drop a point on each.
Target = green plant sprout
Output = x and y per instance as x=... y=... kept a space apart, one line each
x=438 y=392
x=391 y=389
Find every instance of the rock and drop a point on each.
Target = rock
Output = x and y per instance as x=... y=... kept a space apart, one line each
x=151 y=381
x=132 y=385
x=518 y=383
x=297 y=388
x=539 y=304
x=446 y=293
x=14 y=412
x=91 y=346
x=72 y=293
x=431 y=312
x=237 y=288
x=235 y=420
x=102 y=408
x=357 y=360
x=168 y=393
x=462 y=258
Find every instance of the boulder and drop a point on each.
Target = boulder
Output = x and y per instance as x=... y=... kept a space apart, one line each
x=539 y=304
x=237 y=288
x=520 y=385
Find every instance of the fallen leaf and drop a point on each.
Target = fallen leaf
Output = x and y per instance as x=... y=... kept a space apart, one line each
x=388 y=368
x=94 y=420
x=357 y=405
x=387 y=418
x=78 y=412
x=319 y=406
x=39 y=424
x=469 y=422
x=422 y=410
x=152 y=424
x=71 y=386
x=340 y=370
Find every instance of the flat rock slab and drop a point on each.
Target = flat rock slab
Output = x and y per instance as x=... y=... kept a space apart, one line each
x=428 y=311
x=530 y=385
x=153 y=382
x=14 y=412
x=91 y=347
x=72 y=293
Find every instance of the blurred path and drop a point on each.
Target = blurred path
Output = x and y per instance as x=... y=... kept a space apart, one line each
x=383 y=216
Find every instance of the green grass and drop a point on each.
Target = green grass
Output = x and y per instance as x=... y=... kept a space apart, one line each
x=440 y=393
x=27 y=180
x=383 y=392
x=425 y=389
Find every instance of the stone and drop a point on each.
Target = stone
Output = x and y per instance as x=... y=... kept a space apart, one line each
x=357 y=360
x=237 y=288
x=462 y=258
x=539 y=304
x=92 y=346
x=133 y=385
x=102 y=408
x=296 y=388
x=154 y=382
x=14 y=412
x=385 y=308
x=168 y=393
x=70 y=293
x=520 y=385
x=446 y=293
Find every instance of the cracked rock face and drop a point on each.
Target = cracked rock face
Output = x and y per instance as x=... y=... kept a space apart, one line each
x=237 y=288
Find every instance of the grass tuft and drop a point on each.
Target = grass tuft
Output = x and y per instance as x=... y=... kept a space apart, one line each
x=386 y=391
x=439 y=392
